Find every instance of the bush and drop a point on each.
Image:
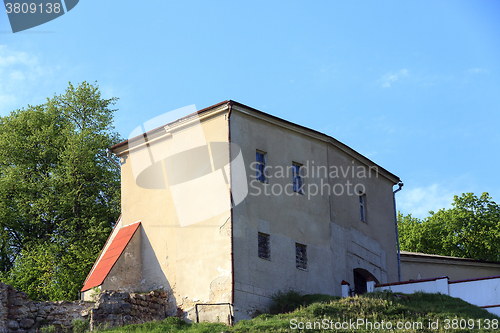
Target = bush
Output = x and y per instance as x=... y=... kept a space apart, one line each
x=48 y=329
x=80 y=326
x=286 y=302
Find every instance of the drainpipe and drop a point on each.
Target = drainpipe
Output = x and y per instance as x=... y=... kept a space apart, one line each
x=397 y=233
x=230 y=105
x=108 y=155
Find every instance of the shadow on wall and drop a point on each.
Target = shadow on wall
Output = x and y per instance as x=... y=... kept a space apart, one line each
x=153 y=277
x=137 y=269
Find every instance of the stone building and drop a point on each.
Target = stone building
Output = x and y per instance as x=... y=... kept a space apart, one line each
x=228 y=205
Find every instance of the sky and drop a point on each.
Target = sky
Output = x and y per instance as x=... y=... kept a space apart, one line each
x=414 y=86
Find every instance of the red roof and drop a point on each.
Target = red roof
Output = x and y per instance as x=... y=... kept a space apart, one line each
x=111 y=255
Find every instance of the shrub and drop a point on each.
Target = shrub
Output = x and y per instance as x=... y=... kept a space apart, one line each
x=48 y=329
x=286 y=302
x=80 y=326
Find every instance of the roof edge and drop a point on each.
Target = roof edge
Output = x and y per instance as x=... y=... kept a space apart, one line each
x=345 y=148
x=149 y=133
x=437 y=256
x=85 y=287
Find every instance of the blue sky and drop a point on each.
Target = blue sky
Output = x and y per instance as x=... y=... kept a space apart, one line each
x=414 y=86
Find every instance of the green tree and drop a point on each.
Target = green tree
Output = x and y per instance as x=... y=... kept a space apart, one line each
x=59 y=194
x=470 y=229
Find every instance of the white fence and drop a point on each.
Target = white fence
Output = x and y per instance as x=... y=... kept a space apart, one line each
x=483 y=292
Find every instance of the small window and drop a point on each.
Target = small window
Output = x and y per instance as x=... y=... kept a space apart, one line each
x=300 y=256
x=362 y=204
x=298 y=183
x=264 y=246
x=261 y=158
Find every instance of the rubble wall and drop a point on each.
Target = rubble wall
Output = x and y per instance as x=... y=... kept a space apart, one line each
x=112 y=308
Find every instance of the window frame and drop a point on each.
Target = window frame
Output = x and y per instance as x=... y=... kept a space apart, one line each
x=267 y=245
x=362 y=207
x=297 y=178
x=261 y=172
x=301 y=256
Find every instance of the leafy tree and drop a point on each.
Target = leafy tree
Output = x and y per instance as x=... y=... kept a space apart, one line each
x=470 y=229
x=59 y=195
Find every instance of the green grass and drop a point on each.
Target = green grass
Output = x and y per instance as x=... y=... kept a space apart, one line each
x=372 y=307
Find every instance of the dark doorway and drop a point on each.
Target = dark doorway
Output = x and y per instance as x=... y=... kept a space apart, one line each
x=360 y=277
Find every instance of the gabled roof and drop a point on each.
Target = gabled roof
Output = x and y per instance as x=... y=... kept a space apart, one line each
x=111 y=255
x=230 y=103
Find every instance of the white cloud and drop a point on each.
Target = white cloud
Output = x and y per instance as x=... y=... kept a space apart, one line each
x=392 y=77
x=477 y=71
x=7 y=99
x=17 y=76
x=418 y=201
x=21 y=76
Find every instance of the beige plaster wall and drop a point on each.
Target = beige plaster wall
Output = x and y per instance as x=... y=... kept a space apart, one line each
x=192 y=262
x=417 y=267
x=126 y=274
x=337 y=241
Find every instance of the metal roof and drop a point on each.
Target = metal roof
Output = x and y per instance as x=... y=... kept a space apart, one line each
x=110 y=257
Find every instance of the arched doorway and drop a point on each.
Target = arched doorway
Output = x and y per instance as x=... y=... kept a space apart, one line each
x=360 y=277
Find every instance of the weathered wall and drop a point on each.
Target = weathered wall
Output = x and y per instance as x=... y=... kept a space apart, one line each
x=352 y=249
x=20 y=314
x=416 y=266
x=337 y=241
x=193 y=261
x=114 y=308
x=4 y=307
x=373 y=242
x=126 y=274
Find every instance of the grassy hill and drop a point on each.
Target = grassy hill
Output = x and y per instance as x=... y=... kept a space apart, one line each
x=373 y=312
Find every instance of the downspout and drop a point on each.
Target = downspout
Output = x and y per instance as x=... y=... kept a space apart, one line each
x=397 y=233
x=108 y=155
x=230 y=105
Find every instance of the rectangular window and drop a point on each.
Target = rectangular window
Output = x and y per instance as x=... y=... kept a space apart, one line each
x=264 y=246
x=300 y=256
x=362 y=203
x=297 y=178
x=261 y=158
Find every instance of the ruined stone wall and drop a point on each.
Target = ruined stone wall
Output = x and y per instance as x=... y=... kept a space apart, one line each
x=20 y=314
x=4 y=310
x=112 y=308
x=115 y=308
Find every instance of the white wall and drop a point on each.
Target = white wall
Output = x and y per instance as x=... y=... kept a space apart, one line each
x=480 y=292
x=439 y=285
